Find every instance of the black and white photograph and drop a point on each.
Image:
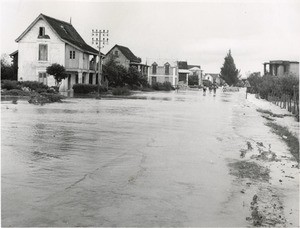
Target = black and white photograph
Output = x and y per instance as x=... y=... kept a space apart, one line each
x=150 y=113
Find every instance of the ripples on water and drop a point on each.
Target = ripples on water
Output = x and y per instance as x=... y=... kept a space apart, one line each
x=114 y=162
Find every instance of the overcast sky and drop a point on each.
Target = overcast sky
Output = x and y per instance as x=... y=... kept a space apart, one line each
x=200 y=32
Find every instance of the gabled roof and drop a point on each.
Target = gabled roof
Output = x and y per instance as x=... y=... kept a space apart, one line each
x=182 y=65
x=127 y=53
x=65 y=31
x=161 y=62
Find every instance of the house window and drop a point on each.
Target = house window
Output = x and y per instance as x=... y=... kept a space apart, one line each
x=43 y=77
x=167 y=69
x=154 y=68
x=43 y=52
x=42 y=31
x=117 y=53
x=83 y=78
x=72 y=54
x=166 y=79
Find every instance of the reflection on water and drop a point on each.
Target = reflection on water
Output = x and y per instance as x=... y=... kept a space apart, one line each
x=141 y=161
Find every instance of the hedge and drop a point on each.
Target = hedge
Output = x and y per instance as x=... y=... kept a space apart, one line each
x=87 y=88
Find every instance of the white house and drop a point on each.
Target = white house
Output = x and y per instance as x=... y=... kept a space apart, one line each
x=214 y=78
x=162 y=70
x=48 y=40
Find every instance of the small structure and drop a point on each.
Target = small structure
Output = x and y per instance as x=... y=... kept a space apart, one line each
x=48 y=40
x=214 y=78
x=281 y=68
x=123 y=56
x=162 y=71
x=195 y=70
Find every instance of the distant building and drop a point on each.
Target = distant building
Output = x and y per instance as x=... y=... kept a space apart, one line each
x=212 y=77
x=124 y=56
x=162 y=71
x=281 y=68
x=48 y=40
x=195 y=70
x=183 y=72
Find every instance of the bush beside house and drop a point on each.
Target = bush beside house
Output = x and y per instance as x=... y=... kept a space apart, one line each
x=277 y=86
x=38 y=92
x=87 y=88
x=166 y=86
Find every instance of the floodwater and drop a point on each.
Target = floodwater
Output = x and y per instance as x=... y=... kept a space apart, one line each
x=157 y=161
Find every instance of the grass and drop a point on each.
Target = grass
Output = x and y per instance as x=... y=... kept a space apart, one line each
x=264 y=111
x=290 y=139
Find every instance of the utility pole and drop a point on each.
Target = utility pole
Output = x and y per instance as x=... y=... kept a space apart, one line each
x=99 y=38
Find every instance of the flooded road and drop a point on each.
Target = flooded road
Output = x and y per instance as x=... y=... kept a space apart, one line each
x=157 y=161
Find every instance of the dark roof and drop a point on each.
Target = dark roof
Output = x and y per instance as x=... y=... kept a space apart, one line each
x=66 y=32
x=127 y=53
x=182 y=65
x=191 y=66
x=280 y=62
x=14 y=53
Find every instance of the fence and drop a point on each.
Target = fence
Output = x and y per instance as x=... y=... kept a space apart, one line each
x=291 y=103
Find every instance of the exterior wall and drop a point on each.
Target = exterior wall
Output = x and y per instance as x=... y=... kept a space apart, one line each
x=208 y=77
x=81 y=61
x=294 y=69
x=280 y=70
x=68 y=82
x=29 y=65
x=161 y=77
x=120 y=59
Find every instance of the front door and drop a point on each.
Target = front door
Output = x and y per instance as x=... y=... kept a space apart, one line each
x=43 y=77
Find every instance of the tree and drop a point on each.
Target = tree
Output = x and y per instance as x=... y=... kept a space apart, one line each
x=58 y=72
x=229 y=73
x=7 y=69
x=255 y=80
x=119 y=76
x=193 y=80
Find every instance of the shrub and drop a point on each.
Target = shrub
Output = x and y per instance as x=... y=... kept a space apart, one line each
x=16 y=92
x=8 y=84
x=134 y=87
x=121 y=91
x=166 y=86
x=87 y=88
x=34 y=85
x=53 y=97
x=274 y=85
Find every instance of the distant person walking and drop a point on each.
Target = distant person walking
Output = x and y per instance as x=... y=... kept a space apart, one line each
x=204 y=90
x=215 y=89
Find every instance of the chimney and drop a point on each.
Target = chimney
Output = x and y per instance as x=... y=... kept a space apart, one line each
x=70 y=20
